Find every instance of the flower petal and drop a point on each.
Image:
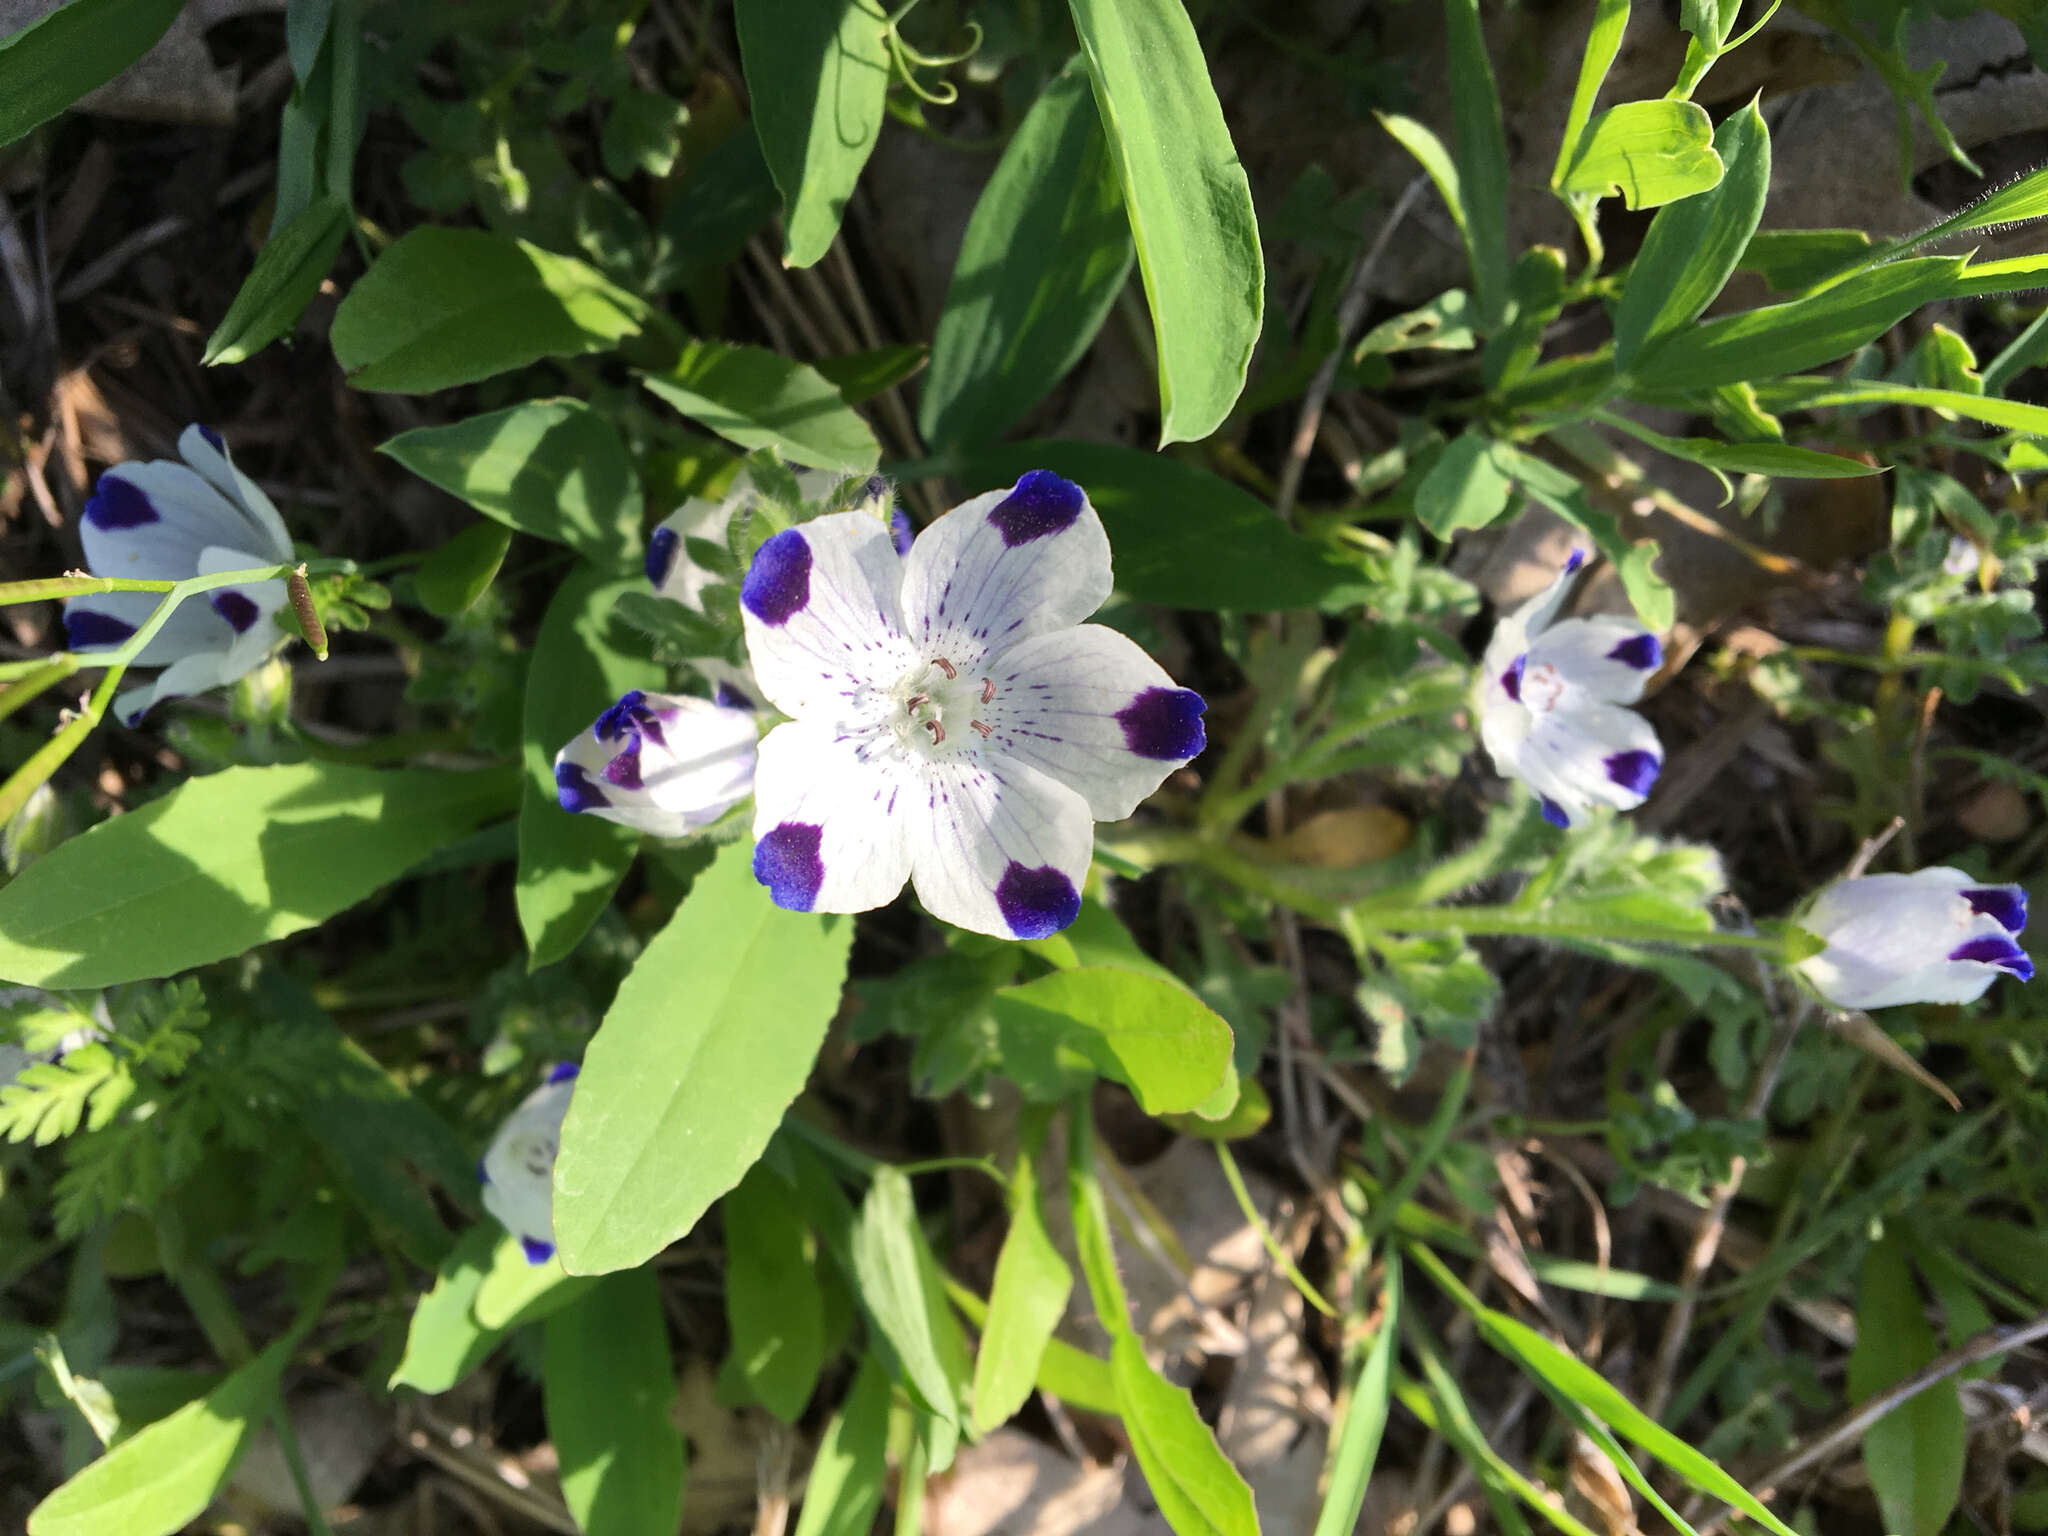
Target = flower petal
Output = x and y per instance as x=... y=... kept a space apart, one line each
x=832 y=827
x=670 y=570
x=820 y=608
x=1089 y=708
x=1516 y=631
x=1605 y=659
x=1933 y=936
x=1593 y=754
x=517 y=1172
x=1003 y=567
x=1002 y=849
x=108 y=619
x=662 y=763
x=204 y=449
x=148 y=522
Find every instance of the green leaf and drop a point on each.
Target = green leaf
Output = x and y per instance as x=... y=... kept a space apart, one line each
x=1654 y=601
x=642 y=132
x=711 y=1036
x=1024 y=1304
x=1157 y=509
x=163 y=1477
x=845 y=1486
x=1355 y=1445
x=1812 y=394
x=1043 y=259
x=1915 y=1454
x=553 y=468
x=757 y=399
x=608 y=1386
x=1073 y=1376
x=2016 y=202
x=288 y=273
x=1467 y=487
x=725 y=200
x=1444 y=324
x=461 y=570
x=443 y=307
x=77 y=48
x=1168 y=1046
x=1694 y=243
x=1190 y=205
x=1651 y=152
x=1193 y=1483
x=1480 y=148
x=1792 y=259
x=1780 y=459
x=444 y=1341
x=515 y=1290
x=569 y=864
x=899 y=1286
x=861 y=376
x=226 y=862
x=772 y=1301
x=1603 y=42
x=1801 y=333
x=818 y=75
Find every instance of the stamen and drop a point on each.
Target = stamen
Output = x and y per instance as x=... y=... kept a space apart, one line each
x=988 y=690
x=985 y=730
x=938 y=731
x=946 y=667
x=916 y=702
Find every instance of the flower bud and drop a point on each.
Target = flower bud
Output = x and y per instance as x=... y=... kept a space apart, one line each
x=1936 y=936
x=663 y=763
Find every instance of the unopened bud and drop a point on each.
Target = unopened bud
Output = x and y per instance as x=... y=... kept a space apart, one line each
x=308 y=616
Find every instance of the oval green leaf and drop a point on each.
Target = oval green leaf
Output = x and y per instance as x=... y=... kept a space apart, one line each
x=1169 y=1047
x=1044 y=257
x=901 y=1290
x=608 y=1386
x=772 y=1301
x=1197 y=1489
x=443 y=307
x=1025 y=1305
x=757 y=399
x=288 y=273
x=226 y=862
x=462 y=569
x=1190 y=205
x=1650 y=152
x=444 y=1342
x=710 y=1038
x=552 y=468
x=818 y=74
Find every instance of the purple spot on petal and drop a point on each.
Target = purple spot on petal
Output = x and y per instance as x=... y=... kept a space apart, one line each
x=2006 y=903
x=575 y=791
x=624 y=768
x=483 y=1174
x=1574 y=560
x=118 y=503
x=1996 y=949
x=1634 y=771
x=662 y=547
x=563 y=1072
x=1040 y=503
x=1639 y=651
x=1164 y=723
x=84 y=627
x=901 y=531
x=623 y=717
x=1511 y=680
x=778 y=583
x=729 y=697
x=239 y=610
x=1036 y=903
x=786 y=861
x=219 y=446
x=536 y=1251
x=1554 y=813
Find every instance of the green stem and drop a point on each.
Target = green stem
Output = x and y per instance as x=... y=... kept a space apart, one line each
x=57 y=587
x=1278 y=1254
x=1438 y=1131
x=33 y=684
x=1091 y=1220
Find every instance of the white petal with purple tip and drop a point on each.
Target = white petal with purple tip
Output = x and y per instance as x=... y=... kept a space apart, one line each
x=1598 y=754
x=203 y=449
x=1008 y=849
x=820 y=608
x=1088 y=707
x=1607 y=660
x=833 y=819
x=519 y=1168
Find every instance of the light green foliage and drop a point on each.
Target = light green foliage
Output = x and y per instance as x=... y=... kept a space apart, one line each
x=449 y=306
x=1043 y=259
x=608 y=1385
x=1190 y=205
x=552 y=468
x=1650 y=152
x=845 y=1485
x=227 y=862
x=711 y=1036
x=454 y=576
x=1915 y=1454
x=1196 y=1487
x=1467 y=487
x=818 y=71
x=1025 y=1304
x=1149 y=1033
x=773 y=1302
x=754 y=398
x=902 y=1293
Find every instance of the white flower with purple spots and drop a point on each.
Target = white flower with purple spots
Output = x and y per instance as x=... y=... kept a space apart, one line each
x=663 y=763
x=674 y=575
x=1550 y=705
x=518 y=1171
x=160 y=521
x=1935 y=936
x=954 y=723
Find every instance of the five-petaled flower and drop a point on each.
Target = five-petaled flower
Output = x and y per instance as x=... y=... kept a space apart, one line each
x=954 y=723
x=1550 y=705
x=160 y=521
x=663 y=763
x=1934 y=936
x=518 y=1172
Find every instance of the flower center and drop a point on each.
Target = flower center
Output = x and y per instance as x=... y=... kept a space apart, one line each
x=1541 y=687
x=933 y=707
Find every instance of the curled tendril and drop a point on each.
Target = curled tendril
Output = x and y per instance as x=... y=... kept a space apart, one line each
x=908 y=59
